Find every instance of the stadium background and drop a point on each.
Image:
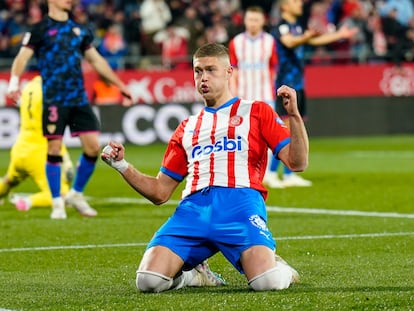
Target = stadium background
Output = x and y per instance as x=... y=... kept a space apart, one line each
x=354 y=88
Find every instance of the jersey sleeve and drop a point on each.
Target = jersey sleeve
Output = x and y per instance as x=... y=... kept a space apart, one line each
x=274 y=130
x=87 y=39
x=33 y=37
x=273 y=59
x=232 y=52
x=174 y=163
x=281 y=29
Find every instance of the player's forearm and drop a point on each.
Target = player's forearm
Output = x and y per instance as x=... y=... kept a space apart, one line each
x=20 y=62
x=299 y=144
x=147 y=186
x=325 y=38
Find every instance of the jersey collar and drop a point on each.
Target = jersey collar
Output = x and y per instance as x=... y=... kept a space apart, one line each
x=225 y=105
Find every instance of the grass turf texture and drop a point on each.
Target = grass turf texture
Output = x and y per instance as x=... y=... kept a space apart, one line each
x=341 y=269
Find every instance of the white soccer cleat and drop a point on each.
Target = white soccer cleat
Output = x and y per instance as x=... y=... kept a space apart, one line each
x=206 y=277
x=78 y=201
x=58 y=209
x=271 y=179
x=20 y=201
x=293 y=180
x=23 y=204
x=295 y=274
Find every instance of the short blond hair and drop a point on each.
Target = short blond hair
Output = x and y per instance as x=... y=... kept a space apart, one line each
x=212 y=50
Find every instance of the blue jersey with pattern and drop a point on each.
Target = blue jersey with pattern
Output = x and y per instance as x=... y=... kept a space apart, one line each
x=291 y=60
x=59 y=48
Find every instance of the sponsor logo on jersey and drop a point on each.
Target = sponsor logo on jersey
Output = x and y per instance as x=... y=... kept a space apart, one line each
x=223 y=145
x=52 y=32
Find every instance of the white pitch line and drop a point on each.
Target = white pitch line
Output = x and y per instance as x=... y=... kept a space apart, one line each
x=321 y=211
x=277 y=209
x=140 y=244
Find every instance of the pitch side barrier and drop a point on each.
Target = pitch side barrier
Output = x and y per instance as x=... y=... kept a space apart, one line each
x=144 y=124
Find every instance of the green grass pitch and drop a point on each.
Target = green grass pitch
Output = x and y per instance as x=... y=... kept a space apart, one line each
x=350 y=235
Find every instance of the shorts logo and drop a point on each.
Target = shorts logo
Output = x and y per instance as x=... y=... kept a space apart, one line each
x=224 y=144
x=235 y=120
x=258 y=222
x=51 y=128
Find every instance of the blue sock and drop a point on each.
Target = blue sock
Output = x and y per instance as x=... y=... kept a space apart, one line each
x=287 y=171
x=274 y=165
x=53 y=178
x=84 y=172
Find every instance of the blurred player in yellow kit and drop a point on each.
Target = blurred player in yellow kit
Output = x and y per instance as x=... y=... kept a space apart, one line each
x=29 y=153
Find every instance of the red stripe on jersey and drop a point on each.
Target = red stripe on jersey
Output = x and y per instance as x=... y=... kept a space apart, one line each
x=195 y=142
x=231 y=155
x=213 y=141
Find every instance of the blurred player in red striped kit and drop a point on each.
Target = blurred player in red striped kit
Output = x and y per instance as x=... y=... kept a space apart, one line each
x=254 y=60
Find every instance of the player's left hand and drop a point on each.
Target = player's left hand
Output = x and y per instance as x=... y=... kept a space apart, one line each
x=289 y=99
x=346 y=32
x=127 y=97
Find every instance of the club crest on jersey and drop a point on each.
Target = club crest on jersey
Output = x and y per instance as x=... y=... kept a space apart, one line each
x=76 y=30
x=225 y=144
x=235 y=120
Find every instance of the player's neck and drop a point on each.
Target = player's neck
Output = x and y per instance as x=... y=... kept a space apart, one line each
x=290 y=18
x=218 y=102
x=58 y=15
x=254 y=35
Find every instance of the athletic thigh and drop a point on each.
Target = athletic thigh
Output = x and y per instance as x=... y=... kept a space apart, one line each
x=55 y=118
x=240 y=220
x=83 y=120
x=186 y=232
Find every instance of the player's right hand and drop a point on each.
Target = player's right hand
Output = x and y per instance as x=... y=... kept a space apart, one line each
x=13 y=91
x=113 y=155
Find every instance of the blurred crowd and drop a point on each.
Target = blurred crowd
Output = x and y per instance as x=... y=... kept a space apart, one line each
x=164 y=34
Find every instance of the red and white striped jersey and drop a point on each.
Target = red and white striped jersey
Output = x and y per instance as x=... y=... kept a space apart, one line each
x=225 y=147
x=255 y=60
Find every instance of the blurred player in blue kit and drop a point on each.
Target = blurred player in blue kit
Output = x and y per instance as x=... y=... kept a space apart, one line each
x=60 y=44
x=291 y=39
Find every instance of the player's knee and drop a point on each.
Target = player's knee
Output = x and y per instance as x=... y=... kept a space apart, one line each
x=278 y=277
x=148 y=281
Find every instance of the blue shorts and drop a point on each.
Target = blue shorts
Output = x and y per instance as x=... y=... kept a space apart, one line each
x=229 y=220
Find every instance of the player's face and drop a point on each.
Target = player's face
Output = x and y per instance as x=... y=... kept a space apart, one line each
x=254 y=22
x=211 y=77
x=293 y=7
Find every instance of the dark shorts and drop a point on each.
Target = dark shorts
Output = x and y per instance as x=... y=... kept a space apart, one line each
x=229 y=220
x=281 y=111
x=80 y=119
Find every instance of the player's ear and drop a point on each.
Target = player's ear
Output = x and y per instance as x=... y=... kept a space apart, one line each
x=229 y=71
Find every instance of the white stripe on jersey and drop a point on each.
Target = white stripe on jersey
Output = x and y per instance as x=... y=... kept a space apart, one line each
x=253 y=55
x=217 y=157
